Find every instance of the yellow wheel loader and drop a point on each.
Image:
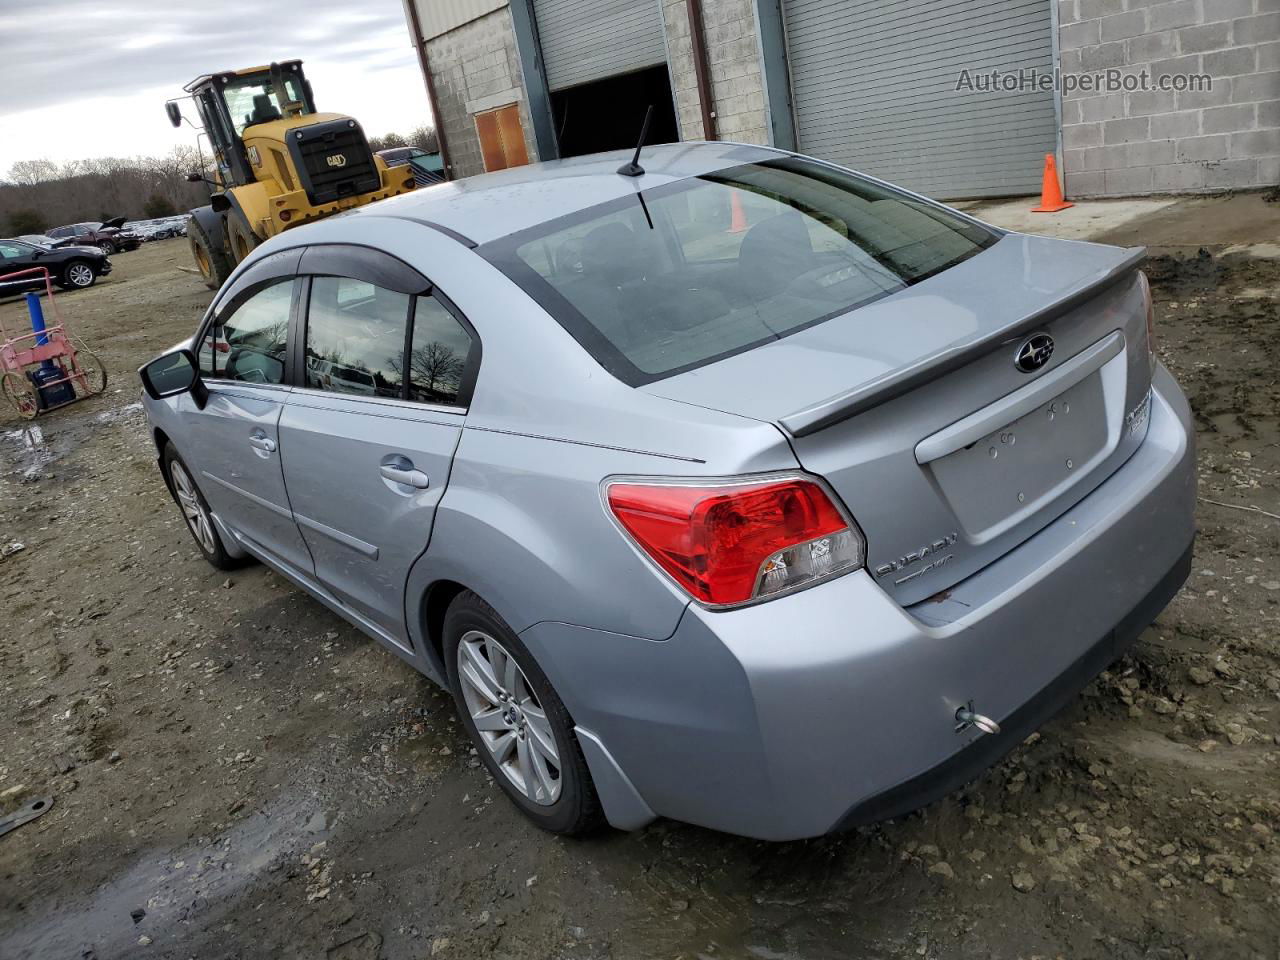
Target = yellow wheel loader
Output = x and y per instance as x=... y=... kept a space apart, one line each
x=277 y=163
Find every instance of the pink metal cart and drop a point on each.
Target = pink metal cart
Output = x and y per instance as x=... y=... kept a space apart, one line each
x=47 y=366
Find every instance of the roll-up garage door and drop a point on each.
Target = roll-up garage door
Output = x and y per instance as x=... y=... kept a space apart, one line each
x=874 y=86
x=585 y=40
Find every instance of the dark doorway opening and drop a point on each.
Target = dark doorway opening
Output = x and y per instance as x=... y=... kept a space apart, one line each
x=607 y=114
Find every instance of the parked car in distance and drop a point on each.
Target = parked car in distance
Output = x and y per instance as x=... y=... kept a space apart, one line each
x=71 y=267
x=147 y=230
x=175 y=226
x=110 y=236
x=743 y=490
x=428 y=168
x=160 y=229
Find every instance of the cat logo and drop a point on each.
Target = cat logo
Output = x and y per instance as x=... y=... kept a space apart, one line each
x=336 y=159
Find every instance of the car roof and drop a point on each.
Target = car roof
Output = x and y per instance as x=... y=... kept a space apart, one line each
x=493 y=205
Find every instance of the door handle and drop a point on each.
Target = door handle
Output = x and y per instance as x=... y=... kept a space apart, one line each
x=408 y=476
x=263 y=443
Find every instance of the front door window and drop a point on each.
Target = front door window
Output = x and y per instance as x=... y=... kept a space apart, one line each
x=249 y=342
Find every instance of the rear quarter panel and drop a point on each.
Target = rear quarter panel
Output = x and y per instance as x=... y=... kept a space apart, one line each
x=522 y=522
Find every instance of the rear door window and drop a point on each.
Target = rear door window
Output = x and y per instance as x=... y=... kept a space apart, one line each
x=356 y=337
x=368 y=341
x=669 y=279
x=440 y=355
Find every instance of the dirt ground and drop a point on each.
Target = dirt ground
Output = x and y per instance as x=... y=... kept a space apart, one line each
x=236 y=773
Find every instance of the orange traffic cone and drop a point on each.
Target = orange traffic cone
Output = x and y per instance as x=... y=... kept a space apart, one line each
x=1051 y=200
x=738 y=222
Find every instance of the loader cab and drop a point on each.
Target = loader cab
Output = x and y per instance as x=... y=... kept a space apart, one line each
x=229 y=103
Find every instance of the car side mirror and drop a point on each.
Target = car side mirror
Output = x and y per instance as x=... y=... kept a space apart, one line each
x=173 y=374
x=37 y=254
x=174 y=112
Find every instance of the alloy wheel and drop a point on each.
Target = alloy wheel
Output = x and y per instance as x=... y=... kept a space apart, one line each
x=80 y=275
x=193 y=510
x=508 y=717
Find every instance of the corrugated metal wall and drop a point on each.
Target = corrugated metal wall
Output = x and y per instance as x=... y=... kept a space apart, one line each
x=440 y=16
x=584 y=40
x=874 y=88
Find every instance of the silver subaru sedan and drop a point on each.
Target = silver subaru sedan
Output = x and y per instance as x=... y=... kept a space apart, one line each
x=741 y=489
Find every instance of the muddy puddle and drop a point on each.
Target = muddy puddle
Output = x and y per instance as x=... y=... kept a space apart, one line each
x=30 y=450
x=165 y=889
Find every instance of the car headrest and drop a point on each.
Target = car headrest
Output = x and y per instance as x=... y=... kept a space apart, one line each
x=612 y=253
x=774 y=252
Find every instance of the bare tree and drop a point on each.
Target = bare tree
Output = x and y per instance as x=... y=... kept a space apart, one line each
x=29 y=173
x=434 y=368
x=424 y=138
x=95 y=188
x=433 y=365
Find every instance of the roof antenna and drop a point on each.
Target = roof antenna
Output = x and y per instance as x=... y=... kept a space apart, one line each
x=633 y=169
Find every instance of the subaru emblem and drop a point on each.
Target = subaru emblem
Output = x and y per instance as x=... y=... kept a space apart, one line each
x=1034 y=354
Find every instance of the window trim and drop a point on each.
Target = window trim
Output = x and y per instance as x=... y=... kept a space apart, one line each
x=356 y=261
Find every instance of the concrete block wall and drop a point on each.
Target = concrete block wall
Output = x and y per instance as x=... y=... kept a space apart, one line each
x=1189 y=141
x=733 y=60
x=475 y=68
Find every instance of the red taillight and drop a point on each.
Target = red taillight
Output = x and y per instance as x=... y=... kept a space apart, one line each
x=728 y=543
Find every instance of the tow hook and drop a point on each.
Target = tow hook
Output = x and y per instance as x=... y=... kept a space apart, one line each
x=966 y=717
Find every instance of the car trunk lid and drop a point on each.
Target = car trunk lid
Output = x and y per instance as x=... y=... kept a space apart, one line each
x=915 y=410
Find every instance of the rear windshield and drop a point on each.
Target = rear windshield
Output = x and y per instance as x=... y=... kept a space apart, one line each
x=687 y=273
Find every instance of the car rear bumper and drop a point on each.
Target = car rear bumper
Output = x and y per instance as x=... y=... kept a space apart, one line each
x=969 y=763
x=836 y=706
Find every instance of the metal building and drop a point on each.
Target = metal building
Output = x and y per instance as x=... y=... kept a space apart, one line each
x=900 y=89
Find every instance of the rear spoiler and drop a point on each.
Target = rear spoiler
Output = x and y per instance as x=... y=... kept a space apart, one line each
x=842 y=406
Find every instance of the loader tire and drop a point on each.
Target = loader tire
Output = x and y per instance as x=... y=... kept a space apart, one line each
x=214 y=265
x=240 y=238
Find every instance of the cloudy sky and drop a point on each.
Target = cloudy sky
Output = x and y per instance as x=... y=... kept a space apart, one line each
x=90 y=77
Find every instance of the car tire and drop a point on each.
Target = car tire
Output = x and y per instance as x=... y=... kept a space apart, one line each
x=195 y=511
x=107 y=247
x=471 y=626
x=77 y=275
x=211 y=259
